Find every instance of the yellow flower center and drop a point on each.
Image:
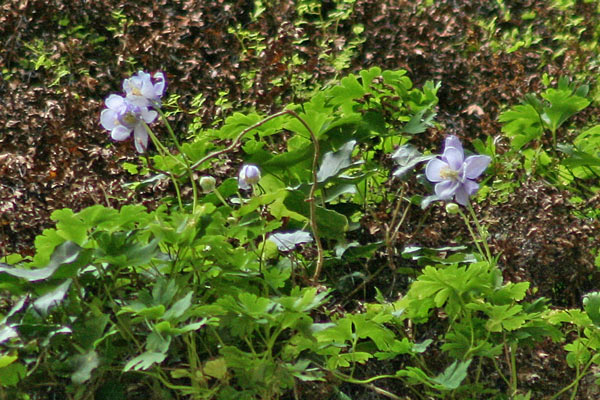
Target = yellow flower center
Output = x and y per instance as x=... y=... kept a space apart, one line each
x=448 y=173
x=130 y=118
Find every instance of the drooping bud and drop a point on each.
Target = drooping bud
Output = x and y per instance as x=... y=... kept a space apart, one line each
x=249 y=175
x=207 y=183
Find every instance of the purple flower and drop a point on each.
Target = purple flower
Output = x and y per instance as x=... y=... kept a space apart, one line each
x=453 y=175
x=122 y=117
x=248 y=176
x=145 y=90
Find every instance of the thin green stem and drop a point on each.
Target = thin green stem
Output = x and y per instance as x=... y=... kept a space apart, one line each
x=164 y=152
x=183 y=156
x=159 y=146
x=575 y=383
x=513 y=368
x=220 y=197
x=500 y=374
x=367 y=383
x=311 y=198
x=471 y=232
x=171 y=133
x=482 y=234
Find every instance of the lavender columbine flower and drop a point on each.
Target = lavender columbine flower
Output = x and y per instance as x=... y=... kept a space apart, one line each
x=145 y=90
x=453 y=175
x=121 y=117
x=249 y=175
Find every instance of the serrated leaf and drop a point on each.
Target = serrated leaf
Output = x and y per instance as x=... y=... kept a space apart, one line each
x=180 y=307
x=254 y=305
x=453 y=376
x=344 y=359
x=70 y=226
x=563 y=105
x=277 y=276
x=144 y=361
x=419 y=122
x=522 y=124
x=344 y=94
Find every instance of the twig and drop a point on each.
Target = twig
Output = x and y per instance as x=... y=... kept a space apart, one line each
x=236 y=142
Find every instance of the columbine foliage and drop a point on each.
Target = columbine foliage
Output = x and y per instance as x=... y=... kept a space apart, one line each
x=222 y=292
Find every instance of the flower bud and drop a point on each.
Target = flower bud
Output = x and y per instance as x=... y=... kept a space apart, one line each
x=452 y=208
x=249 y=175
x=207 y=183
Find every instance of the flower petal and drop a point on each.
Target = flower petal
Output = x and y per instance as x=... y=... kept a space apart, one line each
x=461 y=196
x=454 y=157
x=120 y=133
x=109 y=119
x=242 y=184
x=471 y=187
x=139 y=101
x=149 y=116
x=147 y=89
x=140 y=138
x=114 y=102
x=475 y=165
x=453 y=141
x=432 y=171
x=446 y=189
x=159 y=86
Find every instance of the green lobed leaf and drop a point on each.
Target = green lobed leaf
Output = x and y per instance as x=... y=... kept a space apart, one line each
x=330 y=224
x=84 y=365
x=563 y=105
x=144 y=361
x=335 y=162
x=52 y=298
x=522 y=124
x=453 y=376
x=12 y=374
x=70 y=226
x=179 y=308
x=65 y=253
x=216 y=368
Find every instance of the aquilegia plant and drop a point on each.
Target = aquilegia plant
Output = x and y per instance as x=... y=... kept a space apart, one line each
x=454 y=175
